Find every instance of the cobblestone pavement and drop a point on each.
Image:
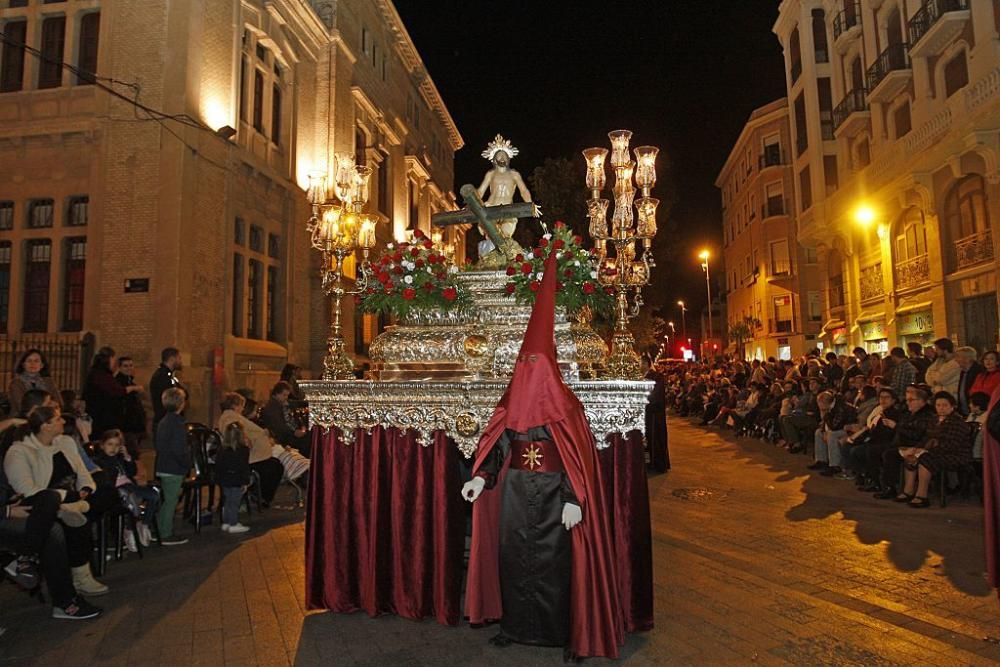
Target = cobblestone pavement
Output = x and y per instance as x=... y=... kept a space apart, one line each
x=757 y=562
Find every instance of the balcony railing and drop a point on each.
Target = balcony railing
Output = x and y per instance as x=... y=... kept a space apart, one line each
x=846 y=20
x=929 y=14
x=772 y=157
x=912 y=272
x=853 y=102
x=895 y=58
x=973 y=249
x=871 y=282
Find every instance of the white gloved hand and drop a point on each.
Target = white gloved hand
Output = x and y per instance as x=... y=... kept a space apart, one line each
x=472 y=488
x=572 y=515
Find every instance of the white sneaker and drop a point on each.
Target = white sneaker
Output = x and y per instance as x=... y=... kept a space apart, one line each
x=144 y=535
x=238 y=528
x=130 y=542
x=225 y=527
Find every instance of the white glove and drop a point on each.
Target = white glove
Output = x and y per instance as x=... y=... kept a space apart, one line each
x=473 y=488
x=572 y=515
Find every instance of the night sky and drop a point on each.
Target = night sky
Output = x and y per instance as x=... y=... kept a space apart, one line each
x=555 y=76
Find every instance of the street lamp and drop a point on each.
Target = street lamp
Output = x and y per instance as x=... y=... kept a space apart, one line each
x=684 y=326
x=703 y=256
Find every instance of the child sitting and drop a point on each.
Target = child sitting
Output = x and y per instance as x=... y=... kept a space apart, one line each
x=120 y=471
x=232 y=472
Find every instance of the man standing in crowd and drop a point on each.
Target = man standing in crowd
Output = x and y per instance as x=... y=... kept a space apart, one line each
x=904 y=373
x=942 y=374
x=970 y=370
x=163 y=379
x=917 y=358
x=133 y=414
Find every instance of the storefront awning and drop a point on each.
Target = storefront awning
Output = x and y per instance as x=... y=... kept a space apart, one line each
x=834 y=324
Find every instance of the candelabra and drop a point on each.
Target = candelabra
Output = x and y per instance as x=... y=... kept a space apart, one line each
x=338 y=228
x=627 y=269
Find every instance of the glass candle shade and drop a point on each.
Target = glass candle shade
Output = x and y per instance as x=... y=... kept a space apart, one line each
x=344 y=177
x=623 y=179
x=362 y=176
x=645 y=171
x=366 y=235
x=597 y=210
x=646 y=209
x=595 y=158
x=619 y=147
x=622 y=218
x=317 y=187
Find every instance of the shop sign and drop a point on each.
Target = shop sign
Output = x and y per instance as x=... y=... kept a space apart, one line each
x=839 y=336
x=915 y=323
x=873 y=330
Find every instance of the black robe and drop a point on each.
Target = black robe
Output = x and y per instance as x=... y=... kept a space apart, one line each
x=535 y=550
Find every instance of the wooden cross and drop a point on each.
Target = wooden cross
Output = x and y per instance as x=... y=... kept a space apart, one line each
x=476 y=211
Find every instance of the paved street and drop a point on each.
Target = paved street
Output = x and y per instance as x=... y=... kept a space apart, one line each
x=756 y=562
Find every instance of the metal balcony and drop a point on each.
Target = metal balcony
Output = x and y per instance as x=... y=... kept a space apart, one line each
x=912 y=272
x=852 y=114
x=871 y=286
x=935 y=26
x=890 y=73
x=846 y=27
x=973 y=249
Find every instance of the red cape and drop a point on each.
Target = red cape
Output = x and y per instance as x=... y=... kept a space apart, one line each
x=991 y=498
x=538 y=396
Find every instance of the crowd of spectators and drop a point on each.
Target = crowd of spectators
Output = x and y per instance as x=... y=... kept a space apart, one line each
x=68 y=459
x=888 y=424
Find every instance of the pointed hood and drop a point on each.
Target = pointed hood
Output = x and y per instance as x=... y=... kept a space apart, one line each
x=537 y=394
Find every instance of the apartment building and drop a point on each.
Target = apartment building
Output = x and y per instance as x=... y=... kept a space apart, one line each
x=895 y=109
x=772 y=283
x=155 y=158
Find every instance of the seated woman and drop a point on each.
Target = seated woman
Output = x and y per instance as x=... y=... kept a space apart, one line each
x=262 y=461
x=947 y=447
x=47 y=459
x=866 y=446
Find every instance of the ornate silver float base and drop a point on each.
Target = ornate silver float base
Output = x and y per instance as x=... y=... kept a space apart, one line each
x=462 y=409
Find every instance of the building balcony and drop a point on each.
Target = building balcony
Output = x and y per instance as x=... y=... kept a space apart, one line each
x=890 y=73
x=779 y=326
x=936 y=25
x=847 y=27
x=852 y=115
x=871 y=286
x=912 y=272
x=973 y=249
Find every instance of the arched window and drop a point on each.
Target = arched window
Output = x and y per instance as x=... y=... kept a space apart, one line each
x=910 y=249
x=967 y=223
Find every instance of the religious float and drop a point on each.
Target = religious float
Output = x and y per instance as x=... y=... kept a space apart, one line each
x=386 y=526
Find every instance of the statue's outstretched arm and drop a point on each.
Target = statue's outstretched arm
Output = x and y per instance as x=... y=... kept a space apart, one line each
x=521 y=187
x=486 y=183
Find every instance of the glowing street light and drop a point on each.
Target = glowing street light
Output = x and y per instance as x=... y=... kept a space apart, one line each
x=864 y=214
x=703 y=256
x=684 y=326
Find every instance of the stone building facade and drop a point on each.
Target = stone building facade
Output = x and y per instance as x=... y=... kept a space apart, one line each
x=162 y=201
x=894 y=105
x=770 y=279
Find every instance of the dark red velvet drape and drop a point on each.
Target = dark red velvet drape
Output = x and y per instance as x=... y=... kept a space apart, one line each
x=385 y=529
x=623 y=471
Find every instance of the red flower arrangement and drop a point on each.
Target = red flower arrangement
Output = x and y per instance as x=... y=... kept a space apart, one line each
x=578 y=285
x=412 y=277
